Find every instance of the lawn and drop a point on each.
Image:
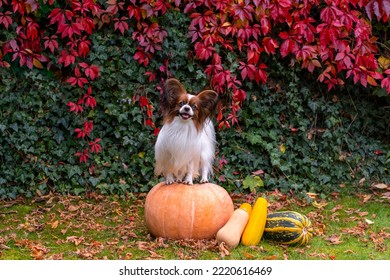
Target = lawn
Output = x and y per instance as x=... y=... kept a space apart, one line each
x=346 y=227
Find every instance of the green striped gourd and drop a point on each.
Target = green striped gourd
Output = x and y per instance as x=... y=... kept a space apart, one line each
x=288 y=227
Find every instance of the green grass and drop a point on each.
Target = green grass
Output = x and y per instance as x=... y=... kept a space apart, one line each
x=66 y=227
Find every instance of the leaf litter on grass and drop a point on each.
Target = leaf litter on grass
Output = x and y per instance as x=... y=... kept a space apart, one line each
x=102 y=227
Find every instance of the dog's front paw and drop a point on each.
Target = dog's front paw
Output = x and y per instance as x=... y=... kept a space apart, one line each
x=188 y=182
x=203 y=181
x=169 y=180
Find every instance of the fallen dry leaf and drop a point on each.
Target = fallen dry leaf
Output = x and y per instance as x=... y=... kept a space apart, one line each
x=73 y=208
x=273 y=257
x=334 y=217
x=362 y=214
x=386 y=195
x=76 y=240
x=312 y=195
x=359 y=230
x=336 y=208
x=59 y=256
x=258 y=172
x=143 y=245
x=248 y=256
x=318 y=255
x=38 y=251
x=349 y=252
x=128 y=256
x=54 y=224
x=154 y=256
x=334 y=239
x=380 y=186
x=321 y=204
x=223 y=250
x=85 y=254
x=366 y=197
x=4 y=247
x=300 y=250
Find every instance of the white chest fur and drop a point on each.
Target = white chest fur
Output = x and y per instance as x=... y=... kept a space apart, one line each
x=183 y=150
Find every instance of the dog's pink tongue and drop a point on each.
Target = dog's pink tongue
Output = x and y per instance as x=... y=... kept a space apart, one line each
x=185 y=116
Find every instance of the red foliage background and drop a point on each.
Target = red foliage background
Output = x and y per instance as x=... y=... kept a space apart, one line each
x=331 y=39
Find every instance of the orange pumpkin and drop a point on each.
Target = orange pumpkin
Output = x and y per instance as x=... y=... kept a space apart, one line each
x=180 y=211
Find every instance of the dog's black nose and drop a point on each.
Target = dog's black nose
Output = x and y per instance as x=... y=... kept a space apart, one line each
x=186 y=109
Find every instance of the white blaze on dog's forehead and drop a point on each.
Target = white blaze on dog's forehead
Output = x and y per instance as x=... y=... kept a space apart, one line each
x=186 y=98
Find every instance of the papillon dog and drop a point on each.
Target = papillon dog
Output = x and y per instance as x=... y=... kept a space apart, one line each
x=185 y=146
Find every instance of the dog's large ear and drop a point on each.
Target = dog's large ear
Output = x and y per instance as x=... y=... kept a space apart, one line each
x=208 y=102
x=172 y=90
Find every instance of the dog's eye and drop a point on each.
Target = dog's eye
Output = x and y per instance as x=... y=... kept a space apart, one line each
x=194 y=107
x=181 y=103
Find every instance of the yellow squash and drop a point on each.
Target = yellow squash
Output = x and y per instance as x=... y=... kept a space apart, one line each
x=255 y=227
x=247 y=207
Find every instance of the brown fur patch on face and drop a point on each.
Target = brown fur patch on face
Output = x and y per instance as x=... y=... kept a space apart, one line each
x=174 y=96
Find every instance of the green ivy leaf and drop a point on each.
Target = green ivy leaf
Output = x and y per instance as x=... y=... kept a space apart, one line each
x=253 y=183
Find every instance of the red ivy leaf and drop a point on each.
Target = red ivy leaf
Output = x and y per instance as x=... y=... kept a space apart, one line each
x=288 y=46
x=161 y=5
x=239 y=95
x=150 y=123
x=329 y=13
x=73 y=107
x=60 y=16
x=91 y=71
x=90 y=101
x=152 y=76
x=381 y=8
x=260 y=74
x=284 y=3
x=67 y=58
x=270 y=45
x=134 y=11
x=18 y=6
x=51 y=43
x=247 y=70
x=121 y=24
x=142 y=57
x=243 y=10
x=88 y=126
x=6 y=19
x=156 y=131
x=32 y=29
x=386 y=81
x=311 y=64
x=85 y=131
x=222 y=162
x=265 y=25
x=203 y=51
x=68 y=30
x=83 y=155
x=94 y=146
x=77 y=79
x=143 y=101
x=114 y=7
x=83 y=48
